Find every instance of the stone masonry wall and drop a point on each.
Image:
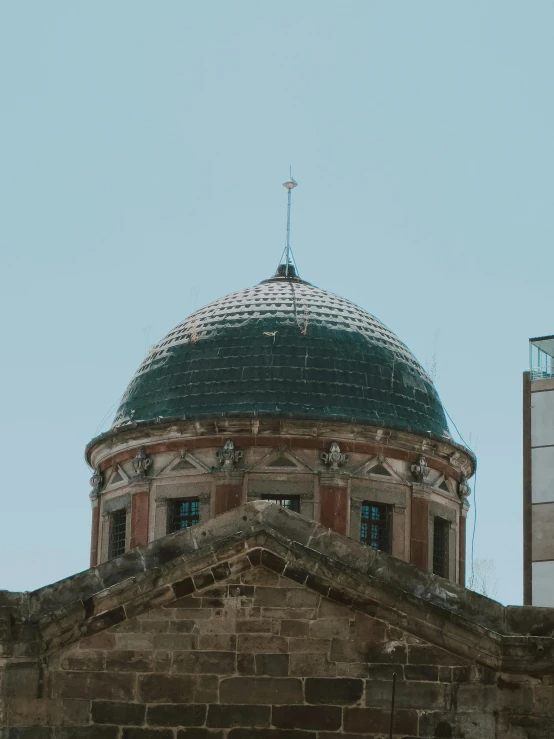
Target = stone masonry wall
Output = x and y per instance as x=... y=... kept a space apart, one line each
x=247 y=653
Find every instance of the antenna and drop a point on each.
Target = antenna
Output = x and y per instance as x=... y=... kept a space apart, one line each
x=287 y=258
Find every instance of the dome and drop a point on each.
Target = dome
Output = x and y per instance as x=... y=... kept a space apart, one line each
x=284 y=349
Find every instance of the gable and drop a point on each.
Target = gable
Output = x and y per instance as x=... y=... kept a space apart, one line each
x=280 y=459
x=264 y=620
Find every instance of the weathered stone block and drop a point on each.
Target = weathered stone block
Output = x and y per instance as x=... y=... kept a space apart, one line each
x=421 y=672
x=198 y=733
x=289 y=613
x=134 y=641
x=260 y=576
x=182 y=626
x=341 y=691
x=21 y=680
x=25 y=711
x=301 y=598
x=470 y=725
x=217 y=663
x=183 y=587
x=372 y=720
x=408 y=695
x=26 y=732
x=272 y=597
x=295 y=628
x=155 y=688
x=311 y=664
x=87 y=732
x=274 y=665
x=225 y=717
x=246 y=664
x=328 y=718
x=330 y=628
x=103 y=640
x=176 y=714
x=272 y=561
x=94 y=685
x=385 y=672
x=174 y=642
x=261 y=643
x=147 y=734
x=253 y=626
x=239 y=733
x=129 y=660
x=113 y=712
x=309 y=645
x=217 y=642
x=429 y=655
x=261 y=690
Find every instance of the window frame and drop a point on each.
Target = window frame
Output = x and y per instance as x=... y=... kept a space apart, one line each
x=383 y=524
x=172 y=504
x=440 y=564
x=282 y=499
x=117 y=544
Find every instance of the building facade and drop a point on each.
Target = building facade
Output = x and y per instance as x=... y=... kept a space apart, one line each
x=538 y=474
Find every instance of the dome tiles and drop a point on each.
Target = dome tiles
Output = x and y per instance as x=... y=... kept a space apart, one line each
x=284 y=349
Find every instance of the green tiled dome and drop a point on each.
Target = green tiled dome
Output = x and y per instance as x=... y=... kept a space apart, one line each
x=284 y=349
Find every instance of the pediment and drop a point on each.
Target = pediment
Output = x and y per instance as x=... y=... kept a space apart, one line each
x=443 y=484
x=118 y=477
x=378 y=467
x=281 y=460
x=183 y=463
x=294 y=548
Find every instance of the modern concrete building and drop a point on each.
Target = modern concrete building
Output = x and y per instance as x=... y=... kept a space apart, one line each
x=538 y=473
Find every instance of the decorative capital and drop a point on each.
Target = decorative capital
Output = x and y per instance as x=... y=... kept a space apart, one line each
x=420 y=470
x=228 y=456
x=334 y=458
x=142 y=463
x=464 y=491
x=97 y=481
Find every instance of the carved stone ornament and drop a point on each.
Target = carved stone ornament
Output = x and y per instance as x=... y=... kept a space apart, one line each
x=228 y=456
x=420 y=470
x=334 y=458
x=464 y=490
x=97 y=480
x=142 y=463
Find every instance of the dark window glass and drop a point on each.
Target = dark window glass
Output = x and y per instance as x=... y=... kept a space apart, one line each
x=292 y=502
x=182 y=513
x=440 y=547
x=376 y=526
x=118 y=532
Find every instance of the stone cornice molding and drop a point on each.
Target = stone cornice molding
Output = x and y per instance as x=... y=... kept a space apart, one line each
x=440 y=612
x=122 y=444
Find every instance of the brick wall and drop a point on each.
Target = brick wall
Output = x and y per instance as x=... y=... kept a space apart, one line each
x=250 y=654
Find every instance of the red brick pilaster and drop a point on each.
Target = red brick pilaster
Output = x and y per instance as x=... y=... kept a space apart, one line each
x=419 y=538
x=227 y=497
x=334 y=508
x=94 y=533
x=140 y=504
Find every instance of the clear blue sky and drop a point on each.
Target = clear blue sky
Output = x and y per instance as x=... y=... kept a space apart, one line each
x=142 y=150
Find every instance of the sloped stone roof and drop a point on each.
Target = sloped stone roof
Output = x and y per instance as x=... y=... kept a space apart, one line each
x=284 y=348
x=442 y=613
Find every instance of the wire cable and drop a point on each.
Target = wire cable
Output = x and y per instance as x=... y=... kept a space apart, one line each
x=474 y=490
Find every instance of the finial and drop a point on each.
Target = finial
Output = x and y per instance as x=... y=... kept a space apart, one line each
x=287 y=265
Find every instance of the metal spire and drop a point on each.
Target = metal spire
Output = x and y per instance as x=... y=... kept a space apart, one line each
x=287 y=258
